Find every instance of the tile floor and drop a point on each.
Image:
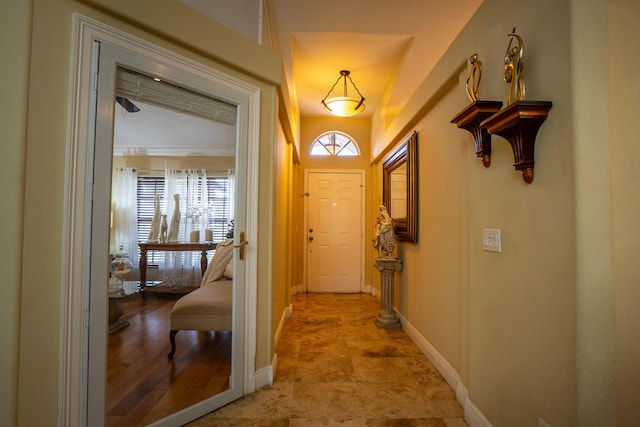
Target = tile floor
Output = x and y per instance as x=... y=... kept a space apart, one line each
x=336 y=368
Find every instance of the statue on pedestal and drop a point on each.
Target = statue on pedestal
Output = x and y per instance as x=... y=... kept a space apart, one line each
x=385 y=240
x=388 y=265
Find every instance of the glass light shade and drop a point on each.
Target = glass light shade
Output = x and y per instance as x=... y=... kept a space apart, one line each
x=342 y=106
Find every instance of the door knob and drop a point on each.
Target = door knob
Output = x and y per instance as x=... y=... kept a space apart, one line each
x=311 y=230
x=311 y=238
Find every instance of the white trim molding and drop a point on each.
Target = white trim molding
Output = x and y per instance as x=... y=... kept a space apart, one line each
x=286 y=313
x=264 y=376
x=74 y=371
x=472 y=415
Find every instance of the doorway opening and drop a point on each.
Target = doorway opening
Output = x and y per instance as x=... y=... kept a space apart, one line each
x=334 y=230
x=88 y=216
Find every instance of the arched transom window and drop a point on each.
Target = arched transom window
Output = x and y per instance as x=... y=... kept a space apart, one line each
x=334 y=144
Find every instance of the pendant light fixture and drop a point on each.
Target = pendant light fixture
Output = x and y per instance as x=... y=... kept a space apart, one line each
x=344 y=106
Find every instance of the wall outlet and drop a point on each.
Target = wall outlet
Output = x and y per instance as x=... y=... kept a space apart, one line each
x=491 y=240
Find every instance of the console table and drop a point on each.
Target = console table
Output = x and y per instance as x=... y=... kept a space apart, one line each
x=203 y=247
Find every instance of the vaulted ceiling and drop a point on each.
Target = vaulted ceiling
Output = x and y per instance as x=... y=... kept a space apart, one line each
x=389 y=47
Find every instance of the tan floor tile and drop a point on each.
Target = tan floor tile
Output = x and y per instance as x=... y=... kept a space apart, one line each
x=339 y=369
x=270 y=402
x=381 y=369
x=327 y=422
x=336 y=400
x=336 y=368
x=373 y=348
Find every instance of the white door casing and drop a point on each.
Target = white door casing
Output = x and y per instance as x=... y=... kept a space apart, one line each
x=334 y=231
x=86 y=229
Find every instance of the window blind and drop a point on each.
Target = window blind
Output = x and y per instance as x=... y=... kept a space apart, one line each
x=219 y=216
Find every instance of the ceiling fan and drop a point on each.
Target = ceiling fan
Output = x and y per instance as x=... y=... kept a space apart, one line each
x=127 y=105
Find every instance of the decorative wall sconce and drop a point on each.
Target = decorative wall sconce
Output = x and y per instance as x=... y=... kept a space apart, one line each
x=344 y=106
x=520 y=121
x=471 y=117
x=519 y=124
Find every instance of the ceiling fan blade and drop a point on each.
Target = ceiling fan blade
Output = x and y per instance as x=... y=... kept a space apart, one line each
x=127 y=105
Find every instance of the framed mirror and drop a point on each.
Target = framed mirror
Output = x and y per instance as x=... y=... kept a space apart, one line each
x=399 y=188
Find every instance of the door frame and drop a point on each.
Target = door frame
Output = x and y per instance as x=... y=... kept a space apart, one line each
x=76 y=271
x=306 y=219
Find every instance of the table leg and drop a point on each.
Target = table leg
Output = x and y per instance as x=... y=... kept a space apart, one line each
x=143 y=268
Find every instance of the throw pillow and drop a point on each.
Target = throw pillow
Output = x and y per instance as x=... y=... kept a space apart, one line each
x=228 y=271
x=222 y=256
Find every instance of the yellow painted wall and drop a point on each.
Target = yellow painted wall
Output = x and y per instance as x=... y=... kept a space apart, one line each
x=547 y=328
x=624 y=101
x=281 y=297
x=169 y=24
x=505 y=322
x=15 y=28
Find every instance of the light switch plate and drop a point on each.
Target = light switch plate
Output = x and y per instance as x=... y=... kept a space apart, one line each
x=491 y=240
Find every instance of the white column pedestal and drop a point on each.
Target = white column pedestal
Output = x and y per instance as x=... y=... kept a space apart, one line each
x=387 y=316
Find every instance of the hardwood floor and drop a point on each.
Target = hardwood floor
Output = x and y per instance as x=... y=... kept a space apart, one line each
x=143 y=385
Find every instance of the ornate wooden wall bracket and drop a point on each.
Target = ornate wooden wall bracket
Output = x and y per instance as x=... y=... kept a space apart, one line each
x=470 y=119
x=519 y=123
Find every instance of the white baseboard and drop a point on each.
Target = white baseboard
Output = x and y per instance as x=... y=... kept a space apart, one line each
x=462 y=394
x=264 y=376
x=472 y=415
x=447 y=371
x=288 y=311
x=285 y=315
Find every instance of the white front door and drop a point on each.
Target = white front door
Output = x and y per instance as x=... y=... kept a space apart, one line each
x=334 y=231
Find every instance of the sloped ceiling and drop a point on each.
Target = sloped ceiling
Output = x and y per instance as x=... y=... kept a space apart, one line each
x=389 y=47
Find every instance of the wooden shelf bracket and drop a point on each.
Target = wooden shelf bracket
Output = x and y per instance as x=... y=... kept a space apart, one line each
x=470 y=119
x=519 y=124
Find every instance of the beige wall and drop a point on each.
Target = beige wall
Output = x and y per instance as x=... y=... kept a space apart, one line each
x=624 y=101
x=505 y=322
x=15 y=28
x=282 y=240
x=547 y=328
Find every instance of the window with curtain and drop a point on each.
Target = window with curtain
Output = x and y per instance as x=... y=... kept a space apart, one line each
x=219 y=206
x=124 y=212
